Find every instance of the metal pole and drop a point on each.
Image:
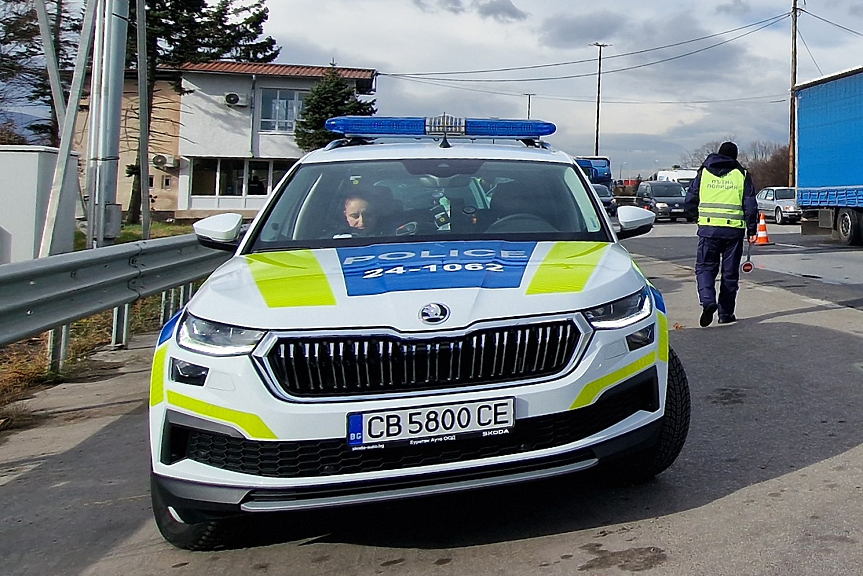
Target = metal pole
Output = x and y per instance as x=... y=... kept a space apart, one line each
x=598 y=84
x=51 y=62
x=143 y=118
x=528 y=104
x=93 y=130
x=68 y=132
x=108 y=217
x=792 y=138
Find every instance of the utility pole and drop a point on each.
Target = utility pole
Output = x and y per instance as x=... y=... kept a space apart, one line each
x=598 y=91
x=529 y=94
x=792 y=138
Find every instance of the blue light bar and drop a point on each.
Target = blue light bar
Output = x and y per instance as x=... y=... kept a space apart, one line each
x=395 y=126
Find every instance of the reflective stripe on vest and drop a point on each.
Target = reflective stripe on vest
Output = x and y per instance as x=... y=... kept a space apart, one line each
x=721 y=199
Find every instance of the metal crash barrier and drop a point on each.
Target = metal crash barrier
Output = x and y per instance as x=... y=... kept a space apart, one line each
x=50 y=293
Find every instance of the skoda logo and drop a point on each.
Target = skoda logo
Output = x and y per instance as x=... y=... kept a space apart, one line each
x=434 y=313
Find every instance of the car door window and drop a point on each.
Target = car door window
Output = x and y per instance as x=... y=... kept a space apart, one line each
x=769 y=195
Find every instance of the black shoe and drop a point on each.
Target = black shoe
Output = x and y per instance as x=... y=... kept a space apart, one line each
x=707 y=314
x=727 y=319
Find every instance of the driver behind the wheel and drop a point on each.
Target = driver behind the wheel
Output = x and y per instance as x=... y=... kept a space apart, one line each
x=365 y=211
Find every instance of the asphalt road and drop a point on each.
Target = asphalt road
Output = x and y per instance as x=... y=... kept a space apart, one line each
x=769 y=482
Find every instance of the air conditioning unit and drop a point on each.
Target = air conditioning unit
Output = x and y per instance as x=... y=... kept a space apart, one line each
x=164 y=161
x=236 y=99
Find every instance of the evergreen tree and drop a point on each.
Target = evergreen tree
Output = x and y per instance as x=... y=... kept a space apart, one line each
x=19 y=51
x=189 y=31
x=66 y=32
x=330 y=97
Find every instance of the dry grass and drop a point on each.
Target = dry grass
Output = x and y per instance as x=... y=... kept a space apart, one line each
x=24 y=365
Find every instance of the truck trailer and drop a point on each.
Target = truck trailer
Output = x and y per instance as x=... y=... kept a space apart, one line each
x=829 y=167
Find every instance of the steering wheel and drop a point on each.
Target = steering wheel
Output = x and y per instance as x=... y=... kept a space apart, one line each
x=521 y=222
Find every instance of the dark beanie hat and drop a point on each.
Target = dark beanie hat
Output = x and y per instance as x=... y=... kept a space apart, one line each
x=729 y=149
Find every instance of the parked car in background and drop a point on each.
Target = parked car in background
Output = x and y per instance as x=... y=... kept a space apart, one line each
x=780 y=204
x=608 y=201
x=665 y=199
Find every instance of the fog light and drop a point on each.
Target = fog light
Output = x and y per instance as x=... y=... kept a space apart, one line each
x=640 y=338
x=188 y=373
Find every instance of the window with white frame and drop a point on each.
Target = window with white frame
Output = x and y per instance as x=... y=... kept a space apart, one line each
x=236 y=176
x=280 y=109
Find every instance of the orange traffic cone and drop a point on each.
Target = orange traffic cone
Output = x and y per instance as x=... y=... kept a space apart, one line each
x=762 y=238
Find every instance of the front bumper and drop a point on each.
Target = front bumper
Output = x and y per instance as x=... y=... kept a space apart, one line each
x=197 y=501
x=231 y=446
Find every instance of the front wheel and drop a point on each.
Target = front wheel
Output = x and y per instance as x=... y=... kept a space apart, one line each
x=206 y=535
x=780 y=219
x=672 y=435
x=848 y=227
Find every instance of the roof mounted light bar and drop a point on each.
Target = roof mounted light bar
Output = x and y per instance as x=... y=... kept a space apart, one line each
x=444 y=125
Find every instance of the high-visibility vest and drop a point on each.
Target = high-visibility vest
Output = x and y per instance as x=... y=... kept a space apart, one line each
x=721 y=199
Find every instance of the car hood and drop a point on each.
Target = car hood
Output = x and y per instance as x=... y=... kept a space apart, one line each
x=388 y=285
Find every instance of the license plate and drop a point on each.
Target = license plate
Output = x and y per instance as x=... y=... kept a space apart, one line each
x=677 y=209
x=430 y=424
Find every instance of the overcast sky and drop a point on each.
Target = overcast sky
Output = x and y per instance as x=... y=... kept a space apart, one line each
x=650 y=115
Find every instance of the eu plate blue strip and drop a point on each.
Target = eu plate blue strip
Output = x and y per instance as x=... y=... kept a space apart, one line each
x=433 y=266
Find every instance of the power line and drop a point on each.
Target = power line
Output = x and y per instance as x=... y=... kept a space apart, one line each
x=856 y=33
x=572 y=76
x=802 y=39
x=586 y=60
x=775 y=98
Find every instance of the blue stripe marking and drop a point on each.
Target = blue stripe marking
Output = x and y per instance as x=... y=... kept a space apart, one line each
x=657 y=297
x=433 y=266
x=168 y=328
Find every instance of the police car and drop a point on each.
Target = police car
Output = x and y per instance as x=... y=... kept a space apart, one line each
x=424 y=306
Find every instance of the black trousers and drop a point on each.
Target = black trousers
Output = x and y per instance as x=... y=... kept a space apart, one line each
x=715 y=254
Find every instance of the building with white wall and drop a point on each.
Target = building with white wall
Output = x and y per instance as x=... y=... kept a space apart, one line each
x=225 y=140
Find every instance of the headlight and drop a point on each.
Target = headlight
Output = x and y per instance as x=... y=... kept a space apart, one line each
x=788 y=208
x=216 y=339
x=623 y=312
x=614 y=200
x=661 y=205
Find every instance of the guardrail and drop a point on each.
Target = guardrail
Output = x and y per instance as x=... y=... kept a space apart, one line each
x=49 y=293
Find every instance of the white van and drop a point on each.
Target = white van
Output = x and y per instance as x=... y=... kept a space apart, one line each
x=683 y=175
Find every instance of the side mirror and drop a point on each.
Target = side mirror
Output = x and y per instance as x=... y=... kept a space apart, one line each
x=634 y=221
x=221 y=231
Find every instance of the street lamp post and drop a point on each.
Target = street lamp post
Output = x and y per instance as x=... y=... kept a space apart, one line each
x=598 y=84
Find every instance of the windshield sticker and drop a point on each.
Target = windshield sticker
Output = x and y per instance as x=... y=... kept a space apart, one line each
x=432 y=266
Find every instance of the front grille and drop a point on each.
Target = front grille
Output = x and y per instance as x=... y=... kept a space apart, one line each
x=317 y=458
x=355 y=365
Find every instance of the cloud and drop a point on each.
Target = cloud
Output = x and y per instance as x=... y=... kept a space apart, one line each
x=735 y=7
x=500 y=10
x=454 y=6
x=577 y=31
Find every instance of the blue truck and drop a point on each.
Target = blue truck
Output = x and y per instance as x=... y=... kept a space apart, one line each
x=597 y=169
x=829 y=167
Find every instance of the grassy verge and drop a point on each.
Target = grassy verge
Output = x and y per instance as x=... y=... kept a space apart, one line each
x=24 y=365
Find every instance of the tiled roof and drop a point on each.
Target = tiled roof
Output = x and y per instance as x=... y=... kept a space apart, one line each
x=226 y=67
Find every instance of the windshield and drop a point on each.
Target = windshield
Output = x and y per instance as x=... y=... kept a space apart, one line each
x=784 y=194
x=667 y=190
x=374 y=201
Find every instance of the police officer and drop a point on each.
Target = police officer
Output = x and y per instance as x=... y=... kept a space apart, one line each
x=724 y=195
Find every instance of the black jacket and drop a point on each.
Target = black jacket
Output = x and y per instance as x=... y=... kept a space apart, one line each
x=720 y=165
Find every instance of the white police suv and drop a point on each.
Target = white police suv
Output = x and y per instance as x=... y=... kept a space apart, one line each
x=425 y=306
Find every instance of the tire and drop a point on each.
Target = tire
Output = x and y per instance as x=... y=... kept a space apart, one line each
x=778 y=217
x=672 y=435
x=207 y=535
x=848 y=227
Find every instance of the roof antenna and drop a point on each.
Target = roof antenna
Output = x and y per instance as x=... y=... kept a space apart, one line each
x=444 y=143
